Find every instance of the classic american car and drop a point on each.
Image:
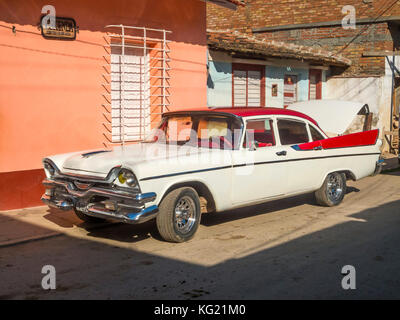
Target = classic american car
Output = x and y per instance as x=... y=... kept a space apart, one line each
x=209 y=160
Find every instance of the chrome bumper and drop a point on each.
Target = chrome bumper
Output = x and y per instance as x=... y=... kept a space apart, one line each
x=100 y=202
x=378 y=167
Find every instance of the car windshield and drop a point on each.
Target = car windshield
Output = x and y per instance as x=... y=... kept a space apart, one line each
x=198 y=130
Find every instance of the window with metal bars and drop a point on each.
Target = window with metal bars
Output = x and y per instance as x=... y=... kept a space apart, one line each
x=138 y=80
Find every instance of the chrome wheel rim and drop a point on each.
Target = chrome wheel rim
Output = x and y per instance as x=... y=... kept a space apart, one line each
x=185 y=214
x=334 y=187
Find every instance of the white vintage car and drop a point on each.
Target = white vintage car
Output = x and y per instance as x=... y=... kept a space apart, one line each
x=209 y=160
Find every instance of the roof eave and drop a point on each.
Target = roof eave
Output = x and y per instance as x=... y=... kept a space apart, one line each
x=259 y=54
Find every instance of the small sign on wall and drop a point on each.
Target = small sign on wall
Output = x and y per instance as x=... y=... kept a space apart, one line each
x=65 y=28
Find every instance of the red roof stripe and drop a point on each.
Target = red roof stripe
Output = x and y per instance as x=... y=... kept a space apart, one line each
x=252 y=111
x=249 y=112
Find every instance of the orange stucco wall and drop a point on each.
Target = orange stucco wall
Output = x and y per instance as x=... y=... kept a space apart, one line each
x=51 y=92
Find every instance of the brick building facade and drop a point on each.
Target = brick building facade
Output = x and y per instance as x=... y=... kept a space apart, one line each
x=318 y=24
x=263 y=19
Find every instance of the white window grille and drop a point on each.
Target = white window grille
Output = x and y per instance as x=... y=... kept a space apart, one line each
x=138 y=80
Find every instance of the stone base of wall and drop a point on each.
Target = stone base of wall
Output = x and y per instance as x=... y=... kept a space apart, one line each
x=21 y=189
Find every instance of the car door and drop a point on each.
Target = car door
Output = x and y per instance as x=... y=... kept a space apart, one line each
x=303 y=167
x=258 y=173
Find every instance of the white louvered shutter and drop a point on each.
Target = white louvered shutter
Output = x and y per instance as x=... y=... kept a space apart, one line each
x=130 y=102
x=254 y=89
x=240 y=88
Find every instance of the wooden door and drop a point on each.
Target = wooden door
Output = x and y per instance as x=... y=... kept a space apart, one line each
x=290 y=90
x=248 y=85
x=315 y=88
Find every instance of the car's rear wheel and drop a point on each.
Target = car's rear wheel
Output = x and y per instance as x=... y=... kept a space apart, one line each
x=87 y=218
x=179 y=215
x=332 y=191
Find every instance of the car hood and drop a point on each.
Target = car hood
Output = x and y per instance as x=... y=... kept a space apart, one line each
x=332 y=116
x=102 y=161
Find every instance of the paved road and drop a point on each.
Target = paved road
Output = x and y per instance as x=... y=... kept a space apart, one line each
x=284 y=249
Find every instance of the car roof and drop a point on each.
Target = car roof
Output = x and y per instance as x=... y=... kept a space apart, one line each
x=252 y=111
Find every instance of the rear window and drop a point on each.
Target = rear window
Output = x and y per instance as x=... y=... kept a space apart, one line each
x=292 y=131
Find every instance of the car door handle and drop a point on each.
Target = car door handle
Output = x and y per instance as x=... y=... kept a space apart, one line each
x=281 y=153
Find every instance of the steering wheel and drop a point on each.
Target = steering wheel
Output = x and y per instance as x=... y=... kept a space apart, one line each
x=225 y=141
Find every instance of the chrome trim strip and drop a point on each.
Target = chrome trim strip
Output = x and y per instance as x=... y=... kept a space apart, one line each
x=150 y=196
x=378 y=167
x=89 y=192
x=310 y=158
x=144 y=215
x=88 y=154
x=73 y=198
x=111 y=176
x=256 y=164
x=185 y=172
x=58 y=204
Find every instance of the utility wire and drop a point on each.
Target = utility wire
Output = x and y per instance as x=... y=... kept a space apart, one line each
x=367 y=27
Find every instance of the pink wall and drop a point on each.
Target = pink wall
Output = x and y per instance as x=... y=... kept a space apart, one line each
x=50 y=90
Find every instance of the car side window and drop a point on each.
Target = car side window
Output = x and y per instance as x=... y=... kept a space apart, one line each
x=292 y=131
x=260 y=131
x=315 y=134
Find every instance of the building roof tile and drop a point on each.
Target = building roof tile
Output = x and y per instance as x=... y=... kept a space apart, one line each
x=239 y=43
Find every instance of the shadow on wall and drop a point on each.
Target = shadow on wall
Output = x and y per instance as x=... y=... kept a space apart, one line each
x=210 y=82
x=219 y=72
x=394 y=32
x=308 y=267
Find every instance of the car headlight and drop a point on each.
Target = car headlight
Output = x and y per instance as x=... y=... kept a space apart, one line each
x=126 y=177
x=49 y=169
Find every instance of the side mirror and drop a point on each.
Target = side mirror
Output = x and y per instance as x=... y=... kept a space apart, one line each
x=253 y=145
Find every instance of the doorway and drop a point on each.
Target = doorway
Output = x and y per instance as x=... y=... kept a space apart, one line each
x=290 y=90
x=248 y=85
x=315 y=89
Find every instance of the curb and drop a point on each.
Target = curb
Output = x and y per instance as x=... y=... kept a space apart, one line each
x=11 y=243
x=16 y=242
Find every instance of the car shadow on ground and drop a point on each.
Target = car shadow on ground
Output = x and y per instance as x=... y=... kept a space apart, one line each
x=127 y=233
x=305 y=267
x=352 y=189
x=263 y=208
x=108 y=229
x=392 y=172
x=133 y=233
x=214 y=218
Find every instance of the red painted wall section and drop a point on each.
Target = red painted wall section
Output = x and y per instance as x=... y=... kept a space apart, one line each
x=51 y=92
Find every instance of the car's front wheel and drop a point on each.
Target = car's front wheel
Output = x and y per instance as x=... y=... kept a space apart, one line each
x=332 y=191
x=179 y=215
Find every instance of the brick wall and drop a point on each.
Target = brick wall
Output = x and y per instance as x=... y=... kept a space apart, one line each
x=350 y=43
